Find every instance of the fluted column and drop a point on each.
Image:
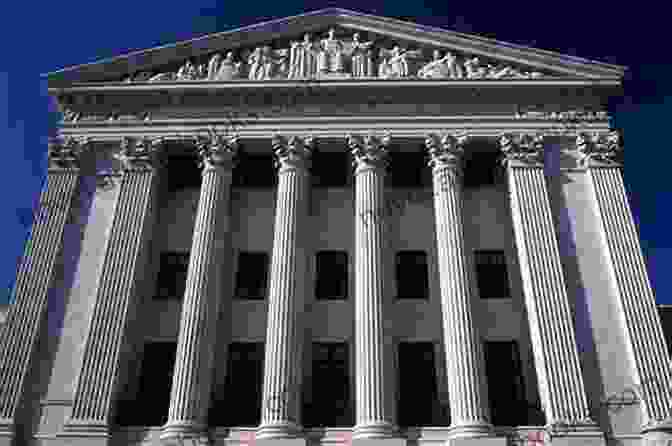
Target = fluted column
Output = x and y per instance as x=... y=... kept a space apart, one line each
x=648 y=356
x=553 y=340
x=375 y=403
x=190 y=394
x=282 y=363
x=118 y=283
x=469 y=406
x=19 y=333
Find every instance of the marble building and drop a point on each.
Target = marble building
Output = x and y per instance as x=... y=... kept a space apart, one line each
x=334 y=228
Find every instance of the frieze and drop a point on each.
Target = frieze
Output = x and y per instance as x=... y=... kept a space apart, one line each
x=331 y=57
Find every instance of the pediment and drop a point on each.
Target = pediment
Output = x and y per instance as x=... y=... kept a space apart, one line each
x=335 y=44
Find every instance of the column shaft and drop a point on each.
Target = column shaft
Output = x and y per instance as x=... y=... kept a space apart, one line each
x=115 y=296
x=190 y=394
x=21 y=330
x=284 y=341
x=554 y=343
x=649 y=358
x=375 y=405
x=464 y=356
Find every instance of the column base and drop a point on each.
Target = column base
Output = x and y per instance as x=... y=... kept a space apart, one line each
x=477 y=441
x=377 y=434
x=588 y=433
x=85 y=433
x=6 y=432
x=473 y=430
x=279 y=430
x=176 y=432
x=391 y=441
x=657 y=433
x=281 y=442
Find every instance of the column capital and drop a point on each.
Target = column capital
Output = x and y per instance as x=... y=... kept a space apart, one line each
x=217 y=150
x=293 y=152
x=139 y=153
x=446 y=150
x=604 y=149
x=522 y=148
x=65 y=153
x=369 y=151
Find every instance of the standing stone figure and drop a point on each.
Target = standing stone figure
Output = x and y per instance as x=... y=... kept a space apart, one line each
x=436 y=69
x=256 y=65
x=398 y=62
x=224 y=71
x=362 y=65
x=330 y=59
x=302 y=58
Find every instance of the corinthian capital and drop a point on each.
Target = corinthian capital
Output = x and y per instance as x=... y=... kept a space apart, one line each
x=293 y=152
x=446 y=150
x=369 y=151
x=524 y=147
x=217 y=150
x=603 y=147
x=139 y=154
x=65 y=154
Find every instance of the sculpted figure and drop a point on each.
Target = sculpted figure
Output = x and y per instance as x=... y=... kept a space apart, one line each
x=473 y=69
x=162 y=77
x=362 y=65
x=228 y=69
x=308 y=57
x=213 y=66
x=398 y=61
x=330 y=58
x=384 y=68
x=437 y=68
x=187 y=72
x=256 y=71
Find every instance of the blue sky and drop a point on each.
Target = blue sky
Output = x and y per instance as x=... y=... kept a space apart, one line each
x=44 y=36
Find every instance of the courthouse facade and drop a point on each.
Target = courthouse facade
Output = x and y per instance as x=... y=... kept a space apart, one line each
x=334 y=228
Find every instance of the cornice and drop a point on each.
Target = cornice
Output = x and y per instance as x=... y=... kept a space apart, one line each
x=320 y=126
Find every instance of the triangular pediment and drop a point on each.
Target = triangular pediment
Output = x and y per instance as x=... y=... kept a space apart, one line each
x=335 y=44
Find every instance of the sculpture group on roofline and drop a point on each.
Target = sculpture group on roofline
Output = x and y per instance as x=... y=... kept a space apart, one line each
x=333 y=58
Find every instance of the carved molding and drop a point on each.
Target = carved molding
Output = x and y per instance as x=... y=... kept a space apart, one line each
x=65 y=154
x=370 y=150
x=329 y=57
x=139 y=154
x=604 y=148
x=217 y=149
x=294 y=151
x=523 y=147
x=446 y=150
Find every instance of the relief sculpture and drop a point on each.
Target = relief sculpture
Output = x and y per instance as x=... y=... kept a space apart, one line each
x=330 y=57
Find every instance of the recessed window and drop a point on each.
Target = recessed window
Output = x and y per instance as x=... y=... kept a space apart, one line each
x=252 y=275
x=332 y=275
x=172 y=275
x=411 y=273
x=243 y=385
x=331 y=169
x=409 y=170
x=508 y=404
x=480 y=169
x=491 y=275
x=418 y=403
x=330 y=403
x=183 y=173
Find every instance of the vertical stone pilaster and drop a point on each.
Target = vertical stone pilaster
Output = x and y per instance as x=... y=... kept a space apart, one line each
x=20 y=332
x=286 y=300
x=375 y=414
x=190 y=394
x=648 y=359
x=553 y=340
x=116 y=291
x=469 y=403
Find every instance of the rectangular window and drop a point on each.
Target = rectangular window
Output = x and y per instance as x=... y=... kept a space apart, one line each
x=506 y=389
x=418 y=398
x=331 y=169
x=331 y=405
x=410 y=170
x=255 y=170
x=411 y=273
x=172 y=275
x=150 y=405
x=252 y=275
x=239 y=404
x=480 y=168
x=491 y=275
x=332 y=275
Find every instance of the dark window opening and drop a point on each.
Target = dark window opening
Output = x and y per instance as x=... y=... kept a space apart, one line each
x=409 y=170
x=255 y=170
x=332 y=275
x=239 y=402
x=508 y=404
x=411 y=274
x=480 y=168
x=491 y=275
x=183 y=173
x=331 y=405
x=418 y=403
x=331 y=169
x=150 y=405
x=252 y=275
x=172 y=277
